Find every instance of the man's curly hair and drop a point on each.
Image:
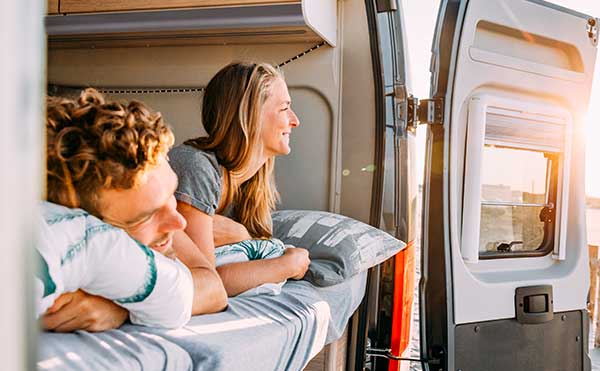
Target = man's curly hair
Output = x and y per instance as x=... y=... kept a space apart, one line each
x=95 y=145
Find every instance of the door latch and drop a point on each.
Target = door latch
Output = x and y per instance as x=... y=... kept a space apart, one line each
x=534 y=304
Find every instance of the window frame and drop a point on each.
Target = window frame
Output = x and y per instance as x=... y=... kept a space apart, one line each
x=529 y=124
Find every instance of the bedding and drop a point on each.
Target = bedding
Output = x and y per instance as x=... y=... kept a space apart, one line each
x=259 y=332
x=339 y=247
x=265 y=332
x=110 y=350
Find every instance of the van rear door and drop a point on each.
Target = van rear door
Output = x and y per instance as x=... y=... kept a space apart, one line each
x=505 y=271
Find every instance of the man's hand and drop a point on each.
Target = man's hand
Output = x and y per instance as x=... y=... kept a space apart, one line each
x=81 y=311
x=227 y=231
x=297 y=260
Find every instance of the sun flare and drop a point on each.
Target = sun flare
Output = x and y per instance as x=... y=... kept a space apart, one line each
x=592 y=138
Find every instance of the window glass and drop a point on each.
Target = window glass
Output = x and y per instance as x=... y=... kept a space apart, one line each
x=514 y=193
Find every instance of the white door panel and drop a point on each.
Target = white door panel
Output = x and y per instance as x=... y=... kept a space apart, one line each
x=539 y=56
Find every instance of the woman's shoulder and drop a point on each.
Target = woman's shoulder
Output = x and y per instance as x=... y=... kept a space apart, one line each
x=200 y=177
x=187 y=156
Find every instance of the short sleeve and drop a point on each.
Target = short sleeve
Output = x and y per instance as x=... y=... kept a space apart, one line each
x=79 y=251
x=157 y=291
x=199 y=175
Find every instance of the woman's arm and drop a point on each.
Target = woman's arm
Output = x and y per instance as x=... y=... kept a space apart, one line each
x=239 y=277
x=227 y=231
x=200 y=230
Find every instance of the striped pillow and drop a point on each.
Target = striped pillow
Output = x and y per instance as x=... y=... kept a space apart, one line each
x=339 y=247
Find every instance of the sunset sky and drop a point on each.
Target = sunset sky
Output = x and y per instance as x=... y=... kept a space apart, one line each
x=420 y=19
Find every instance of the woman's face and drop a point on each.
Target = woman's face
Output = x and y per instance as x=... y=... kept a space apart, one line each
x=278 y=120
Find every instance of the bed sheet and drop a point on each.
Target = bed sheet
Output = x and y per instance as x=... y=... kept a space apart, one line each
x=264 y=332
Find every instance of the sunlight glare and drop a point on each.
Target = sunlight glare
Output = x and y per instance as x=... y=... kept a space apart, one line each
x=592 y=139
x=192 y=330
x=50 y=363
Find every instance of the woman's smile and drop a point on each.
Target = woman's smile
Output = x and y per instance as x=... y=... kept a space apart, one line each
x=278 y=120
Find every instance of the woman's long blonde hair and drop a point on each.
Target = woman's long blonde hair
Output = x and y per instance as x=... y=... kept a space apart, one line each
x=231 y=114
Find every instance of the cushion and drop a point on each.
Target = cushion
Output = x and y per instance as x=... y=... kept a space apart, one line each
x=339 y=247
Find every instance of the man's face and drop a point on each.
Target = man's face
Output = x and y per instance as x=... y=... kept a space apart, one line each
x=148 y=211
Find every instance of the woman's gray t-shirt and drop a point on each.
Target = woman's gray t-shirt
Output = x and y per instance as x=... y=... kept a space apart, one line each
x=200 y=177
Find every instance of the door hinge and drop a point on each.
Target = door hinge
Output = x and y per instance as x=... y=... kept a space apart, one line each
x=387 y=6
x=425 y=111
x=592 y=30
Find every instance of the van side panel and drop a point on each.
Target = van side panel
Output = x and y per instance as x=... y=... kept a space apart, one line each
x=306 y=179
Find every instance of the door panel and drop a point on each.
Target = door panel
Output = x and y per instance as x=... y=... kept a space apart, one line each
x=554 y=346
x=394 y=191
x=504 y=197
x=538 y=70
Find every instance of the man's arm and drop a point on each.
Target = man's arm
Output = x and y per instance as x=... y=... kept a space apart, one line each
x=82 y=311
x=209 y=293
x=199 y=229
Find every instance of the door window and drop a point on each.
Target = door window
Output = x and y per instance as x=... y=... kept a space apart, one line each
x=516 y=179
x=516 y=204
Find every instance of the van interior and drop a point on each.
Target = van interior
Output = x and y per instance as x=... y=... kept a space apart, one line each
x=498 y=265
x=164 y=55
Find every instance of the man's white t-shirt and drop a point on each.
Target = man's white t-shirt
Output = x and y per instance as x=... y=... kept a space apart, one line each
x=79 y=251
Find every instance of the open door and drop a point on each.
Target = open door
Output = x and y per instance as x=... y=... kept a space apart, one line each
x=505 y=271
x=386 y=309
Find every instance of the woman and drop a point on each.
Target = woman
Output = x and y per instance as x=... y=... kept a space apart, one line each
x=226 y=188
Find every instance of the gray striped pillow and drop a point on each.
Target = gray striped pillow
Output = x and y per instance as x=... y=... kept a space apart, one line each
x=339 y=247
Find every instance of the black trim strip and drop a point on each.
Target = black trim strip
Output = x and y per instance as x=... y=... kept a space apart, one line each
x=379 y=82
x=379 y=158
x=436 y=306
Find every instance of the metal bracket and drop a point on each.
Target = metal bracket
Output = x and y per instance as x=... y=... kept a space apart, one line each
x=387 y=6
x=592 y=30
x=425 y=111
x=387 y=353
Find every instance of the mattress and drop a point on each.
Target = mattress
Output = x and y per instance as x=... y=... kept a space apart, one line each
x=263 y=332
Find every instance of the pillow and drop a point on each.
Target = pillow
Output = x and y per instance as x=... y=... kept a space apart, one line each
x=339 y=247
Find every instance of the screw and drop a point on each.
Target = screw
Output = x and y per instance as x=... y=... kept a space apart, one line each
x=477 y=328
x=577 y=338
x=563 y=317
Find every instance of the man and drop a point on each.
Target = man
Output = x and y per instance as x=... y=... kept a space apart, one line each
x=110 y=160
